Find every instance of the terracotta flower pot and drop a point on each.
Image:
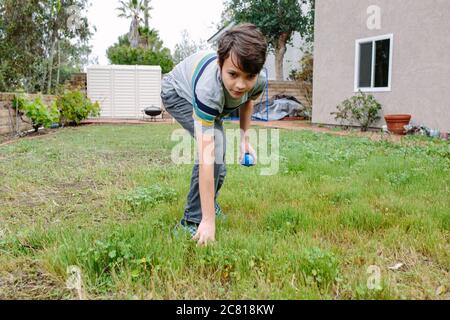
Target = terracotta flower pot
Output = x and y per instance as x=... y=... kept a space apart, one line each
x=396 y=122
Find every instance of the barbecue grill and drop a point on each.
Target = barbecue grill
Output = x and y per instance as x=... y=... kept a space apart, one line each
x=152 y=112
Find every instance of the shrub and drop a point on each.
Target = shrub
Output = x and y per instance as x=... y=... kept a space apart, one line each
x=75 y=107
x=304 y=77
x=39 y=114
x=19 y=102
x=124 y=55
x=362 y=109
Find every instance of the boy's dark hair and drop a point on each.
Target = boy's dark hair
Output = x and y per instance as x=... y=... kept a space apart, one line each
x=247 y=44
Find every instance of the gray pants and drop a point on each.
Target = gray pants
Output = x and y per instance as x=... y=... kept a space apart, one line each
x=182 y=110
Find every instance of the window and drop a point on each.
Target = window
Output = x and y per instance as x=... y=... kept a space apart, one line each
x=373 y=65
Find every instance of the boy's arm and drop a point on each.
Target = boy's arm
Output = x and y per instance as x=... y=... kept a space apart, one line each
x=246 y=112
x=207 y=228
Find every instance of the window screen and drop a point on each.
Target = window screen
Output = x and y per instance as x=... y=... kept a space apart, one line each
x=365 y=65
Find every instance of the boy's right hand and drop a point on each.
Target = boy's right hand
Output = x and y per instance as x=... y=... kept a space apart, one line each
x=206 y=233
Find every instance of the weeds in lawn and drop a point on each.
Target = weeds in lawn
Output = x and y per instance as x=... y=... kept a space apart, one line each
x=87 y=198
x=143 y=198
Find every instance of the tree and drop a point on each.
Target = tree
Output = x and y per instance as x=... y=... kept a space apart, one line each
x=134 y=9
x=155 y=54
x=20 y=43
x=56 y=15
x=124 y=55
x=278 y=20
x=147 y=9
x=71 y=58
x=149 y=39
x=142 y=45
x=186 y=47
x=32 y=33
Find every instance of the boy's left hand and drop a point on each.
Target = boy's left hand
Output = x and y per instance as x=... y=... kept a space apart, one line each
x=205 y=234
x=247 y=149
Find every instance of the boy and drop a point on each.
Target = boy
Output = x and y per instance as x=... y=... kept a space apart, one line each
x=199 y=93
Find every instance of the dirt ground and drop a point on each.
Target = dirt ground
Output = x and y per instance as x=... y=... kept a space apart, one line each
x=287 y=125
x=306 y=125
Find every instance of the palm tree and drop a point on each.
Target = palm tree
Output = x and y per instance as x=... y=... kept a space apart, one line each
x=134 y=9
x=147 y=9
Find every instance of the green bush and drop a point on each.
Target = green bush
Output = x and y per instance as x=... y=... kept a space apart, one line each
x=75 y=107
x=305 y=77
x=125 y=55
x=39 y=114
x=362 y=109
x=19 y=102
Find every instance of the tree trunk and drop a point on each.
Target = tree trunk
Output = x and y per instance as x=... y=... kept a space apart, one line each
x=50 y=66
x=146 y=14
x=133 y=35
x=44 y=67
x=280 y=51
x=44 y=75
x=59 y=64
x=51 y=46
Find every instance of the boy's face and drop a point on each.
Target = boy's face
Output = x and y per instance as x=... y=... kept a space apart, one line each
x=236 y=81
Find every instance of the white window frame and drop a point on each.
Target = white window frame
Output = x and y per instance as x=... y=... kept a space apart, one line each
x=357 y=61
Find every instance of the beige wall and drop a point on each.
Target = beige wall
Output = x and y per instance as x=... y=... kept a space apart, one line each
x=421 y=57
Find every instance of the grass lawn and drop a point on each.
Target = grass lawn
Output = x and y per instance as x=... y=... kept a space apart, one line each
x=105 y=199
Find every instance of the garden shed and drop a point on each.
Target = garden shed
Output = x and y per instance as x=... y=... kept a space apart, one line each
x=123 y=91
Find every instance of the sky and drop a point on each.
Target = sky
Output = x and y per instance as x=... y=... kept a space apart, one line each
x=169 y=17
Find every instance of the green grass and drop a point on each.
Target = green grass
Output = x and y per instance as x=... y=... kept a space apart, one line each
x=106 y=198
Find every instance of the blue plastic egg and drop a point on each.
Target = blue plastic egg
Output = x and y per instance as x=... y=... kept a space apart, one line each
x=248 y=160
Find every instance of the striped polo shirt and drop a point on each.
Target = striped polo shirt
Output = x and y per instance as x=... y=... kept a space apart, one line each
x=198 y=80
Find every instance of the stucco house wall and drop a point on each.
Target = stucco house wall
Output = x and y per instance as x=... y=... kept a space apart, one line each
x=420 y=66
